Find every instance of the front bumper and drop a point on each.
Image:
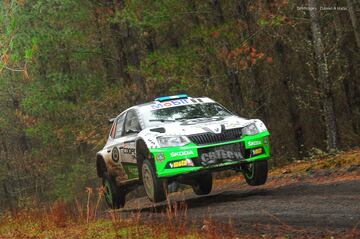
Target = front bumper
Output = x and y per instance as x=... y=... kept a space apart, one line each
x=174 y=161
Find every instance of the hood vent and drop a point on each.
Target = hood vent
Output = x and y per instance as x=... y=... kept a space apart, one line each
x=159 y=130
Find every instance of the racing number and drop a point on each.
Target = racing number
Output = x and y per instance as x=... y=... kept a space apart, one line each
x=115 y=154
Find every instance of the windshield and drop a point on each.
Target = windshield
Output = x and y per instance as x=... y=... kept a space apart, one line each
x=190 y=111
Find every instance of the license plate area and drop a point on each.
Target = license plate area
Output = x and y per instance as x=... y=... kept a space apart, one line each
x=220 y=154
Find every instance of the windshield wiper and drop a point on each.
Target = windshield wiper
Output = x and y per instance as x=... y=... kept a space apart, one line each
x=162 y=120
x=196 y=117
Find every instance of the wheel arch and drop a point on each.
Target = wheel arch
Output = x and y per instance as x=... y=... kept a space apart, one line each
x=142 y=153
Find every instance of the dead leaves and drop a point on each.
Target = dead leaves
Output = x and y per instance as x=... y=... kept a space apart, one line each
x=242 y=57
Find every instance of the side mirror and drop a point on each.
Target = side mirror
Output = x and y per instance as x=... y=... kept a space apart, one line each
x=111 y=121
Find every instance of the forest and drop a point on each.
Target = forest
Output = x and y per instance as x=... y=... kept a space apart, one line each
x=68 y=66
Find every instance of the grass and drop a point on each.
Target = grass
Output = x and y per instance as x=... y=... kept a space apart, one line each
x=89 y=220
x=342 y=160
x=338 y=166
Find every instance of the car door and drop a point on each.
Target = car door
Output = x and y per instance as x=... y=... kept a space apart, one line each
x=114 y=148
x=131 y=129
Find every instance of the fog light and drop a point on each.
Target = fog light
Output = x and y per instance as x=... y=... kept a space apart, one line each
x=257 y=151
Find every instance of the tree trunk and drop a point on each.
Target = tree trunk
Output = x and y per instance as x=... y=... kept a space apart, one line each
x=215 y=6
x=119 y=34
x=354 y=21
x=133 y=55
x=323 y=78
x=288 y=76
x=194 y=16
x=8 y=199
x=345 y=63
x=102 y=46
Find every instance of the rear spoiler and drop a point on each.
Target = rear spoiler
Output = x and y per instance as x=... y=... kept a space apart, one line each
x=111 y=120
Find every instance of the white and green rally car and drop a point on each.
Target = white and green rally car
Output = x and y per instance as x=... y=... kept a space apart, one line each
x=179 y=139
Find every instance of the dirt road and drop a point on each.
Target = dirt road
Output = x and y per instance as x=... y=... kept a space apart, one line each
x=296 y=208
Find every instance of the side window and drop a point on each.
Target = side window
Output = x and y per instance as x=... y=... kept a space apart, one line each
x=132 y=124
x=119 y=126
x=112 y=130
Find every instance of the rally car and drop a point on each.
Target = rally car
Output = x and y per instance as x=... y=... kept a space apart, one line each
x=179 y=139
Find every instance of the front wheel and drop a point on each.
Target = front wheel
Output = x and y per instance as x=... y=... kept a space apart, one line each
x=114 y=195
x=154 y=186
x=202 y=184
x=255 y=173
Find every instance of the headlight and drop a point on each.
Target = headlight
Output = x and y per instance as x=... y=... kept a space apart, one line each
x=250 y=129
x=172 y=141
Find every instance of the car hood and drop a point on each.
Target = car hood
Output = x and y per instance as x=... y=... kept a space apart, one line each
x=196 y=126
x=200 y=125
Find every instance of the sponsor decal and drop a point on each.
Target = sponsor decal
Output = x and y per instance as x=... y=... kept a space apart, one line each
x=220 y=156
x=169 y=104
x=181 y=163
x=160 y=157
x=133 y=170
x=128 y=151
x=254 y=143
x=115 y=154
x=151 y=142
x=128 y=148
x=182 y=153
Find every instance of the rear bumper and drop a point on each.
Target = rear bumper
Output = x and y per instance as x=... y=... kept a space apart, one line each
x=171 y=162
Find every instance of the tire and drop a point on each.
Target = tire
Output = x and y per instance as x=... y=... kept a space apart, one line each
x=100 y=167
x=154 y=187
x=255 y=173
x=114 y=195
x=202 y=184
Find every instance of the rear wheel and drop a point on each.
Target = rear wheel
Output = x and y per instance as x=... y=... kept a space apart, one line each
x=154 y=186
x=202 y=184
x=114 y=195
x=255 y=173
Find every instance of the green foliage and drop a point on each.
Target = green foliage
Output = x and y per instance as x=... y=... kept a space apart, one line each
x=72 y=178
x=158 y=15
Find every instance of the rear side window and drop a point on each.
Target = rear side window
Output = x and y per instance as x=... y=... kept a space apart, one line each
x=132 y=124
x=113 y=130
x=119 y=126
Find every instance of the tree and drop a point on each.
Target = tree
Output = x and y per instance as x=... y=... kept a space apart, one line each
x=354 y=21
x=323 y=78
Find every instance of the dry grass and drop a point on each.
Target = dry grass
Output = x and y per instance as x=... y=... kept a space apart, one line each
x=61 y=220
